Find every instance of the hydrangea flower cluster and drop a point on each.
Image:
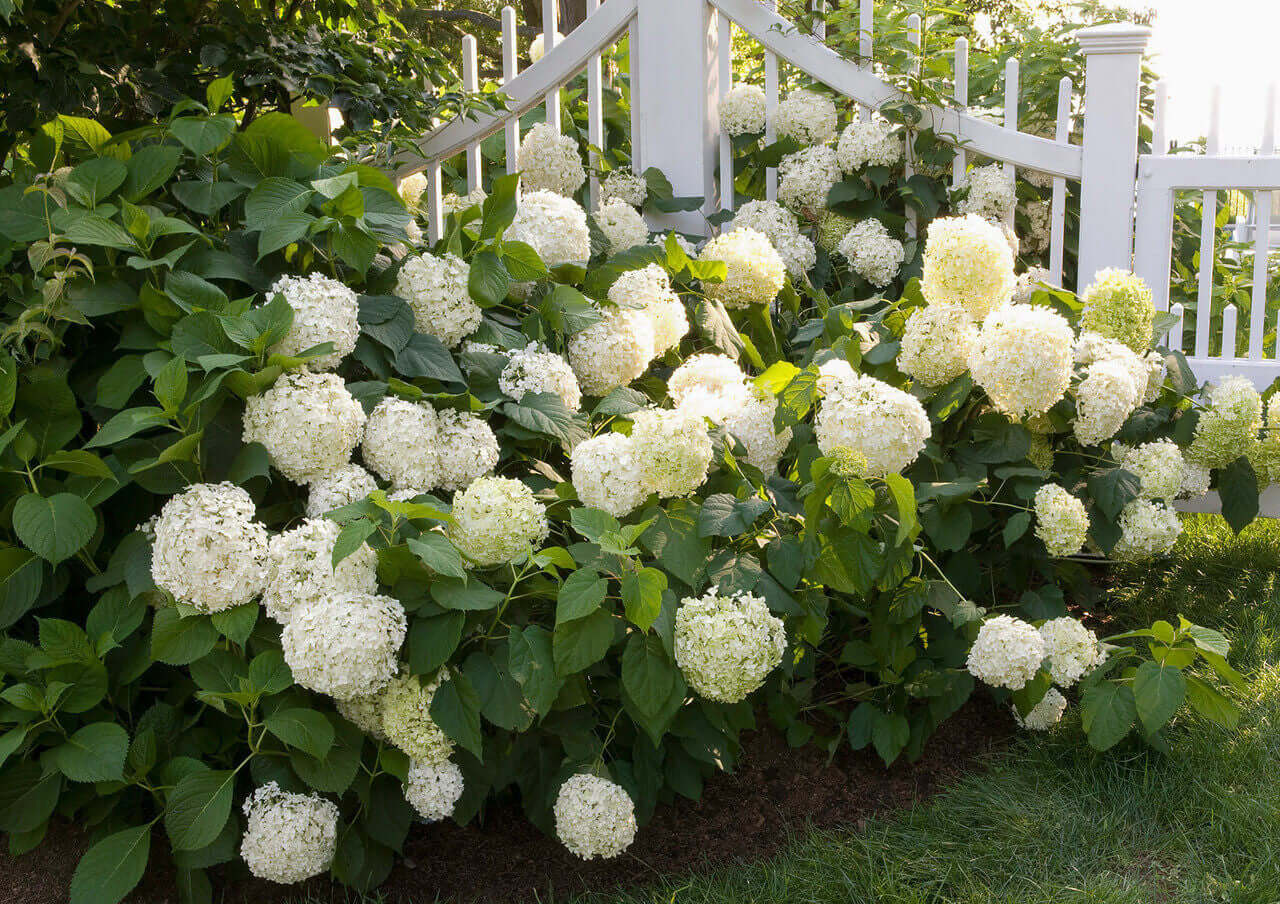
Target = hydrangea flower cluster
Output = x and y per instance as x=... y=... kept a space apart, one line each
x=300 y=569
x=613 y=351
x=344 y=645
x=455 y=203
x=288 y=837
x=726 y=645
x=872 y=252
x=1159 y=467
x=672 y=448
x=549 y=161
x=594 y=817
x=991 y=194
x=805 y=177
x=1229 y=428
x=537 y=47
x=405 y=712
x=324 y=310
x=649 y=288
x=806 y=116
x=887 y=426
x=936 y=344
x=621 y=224
x=433 y=790
x=742 y=110
x=626 y=186
x=209 y=552
x=436 y=289
x=411 y=189
x=1117 y=304
x=869 y=143
x=714 y=387
x=467 y=449
x=1023 y=359
x=755 y=271
x=400 y=443
x=1061 y=520
x=832 y=228
x=1007 y=653
x=1111 y=389
x=534 y=369
x=309 y=424
x=968 y=262
x=1073 y=650
x=553 y=225
x=1039 y=217
x=1148 y=530
x=346 y=485
x=1045 y=714
x=497 y=521
x=606 y=474
x=783 y=230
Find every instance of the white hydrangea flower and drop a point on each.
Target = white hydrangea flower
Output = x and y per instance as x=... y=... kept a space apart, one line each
x=554 y=226
x=455 y=203
x=407 y=723
x=1006 y=653
x=300 y=569
x=433 y=789
x=872 y=252
x=612 y=352
x=496 y=521
x=755 y=272
x=549 y=161
x=534 y=369
x=885 y=425
x=309 y=424
x=936 y=344
x=537 y=46
x=402 y=443
x=324 y=310
x=706 y=376
x=594 y=817
x=1061 y=520
x=870 y=143
x=467 y=450
x=1110 y=391
x=288 y=837
x=1148 y=530
x=992 y=195
x=365 y=713
x=752 y=424
x=621 y=224
x=1023 y=359
x=624 y=185
x=780 y=226
x=1195 y=481
x=1229 y=428
x=346 y=645
x=968 y=262
x=209 y=552
x=436 y=290
x=727 y=645
x=1045 y=714
x=743 y=109
x=806 y=116
x=1157 y=370
x=649 y=288
x=411 y=190
x=1039 y=225
x=805 y=177
x=346 y=485
x=1118 y=305
x=606 y=474
x=1073 y=650
x=1159 y=466
x=672 y=448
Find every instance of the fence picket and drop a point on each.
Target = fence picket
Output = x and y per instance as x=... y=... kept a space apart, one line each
x=962 y=101
x=1228 y=332
x=471 y=83
x=866 y=28
x=1010 y=110
x=435 y=217
x=914 y=37
x=1159 y=126
x=510 y=55
x=595 y=116
x=550 y=25
x=1262 y=237
x=1208 y=220
x=724 y=49
x=1173 y=338
x=771 y=107
x=1058 y=203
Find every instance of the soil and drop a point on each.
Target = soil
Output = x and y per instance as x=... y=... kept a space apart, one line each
x=743 y=817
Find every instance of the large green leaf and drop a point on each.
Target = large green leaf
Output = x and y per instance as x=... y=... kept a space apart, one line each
x=198 y=807
x=580 y=595
x=647 y=673
x=532 y=663
x=546 y=413
x=305 y=729
x=56 y=527
x=181 y=641
x=642 y=596
x=95 y=753
x=581 y=642
x=456 y=709
x=1238 y=487
x=1158 y=691
x=1107 y=710
x=111 y=868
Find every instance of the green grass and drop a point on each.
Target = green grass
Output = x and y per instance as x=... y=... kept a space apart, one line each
x=1053 y=822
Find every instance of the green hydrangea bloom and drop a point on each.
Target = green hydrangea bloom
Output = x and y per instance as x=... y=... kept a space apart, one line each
x=1229 y=428
x=847 y=463
x=1041 y=453
x=832 y=227
x=1118 y=305
x=407 y=722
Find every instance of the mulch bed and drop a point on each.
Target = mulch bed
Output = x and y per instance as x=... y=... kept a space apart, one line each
x=743 y=817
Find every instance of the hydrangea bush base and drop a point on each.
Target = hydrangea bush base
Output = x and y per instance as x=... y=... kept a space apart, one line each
x=313 y=532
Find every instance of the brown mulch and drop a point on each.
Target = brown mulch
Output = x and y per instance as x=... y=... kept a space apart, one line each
x=743 y=817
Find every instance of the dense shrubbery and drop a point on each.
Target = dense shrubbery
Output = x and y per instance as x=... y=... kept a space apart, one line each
x=612 y=495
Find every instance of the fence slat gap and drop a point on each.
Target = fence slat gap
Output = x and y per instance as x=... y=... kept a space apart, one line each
x=510 y=68
x=1058 y=201
x=1262 y=236
x=550 y=26
x=1208 y=226
x=595 y=115
x=471 y=84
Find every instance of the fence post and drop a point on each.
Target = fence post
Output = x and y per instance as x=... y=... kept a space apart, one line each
x=676 y=122
x=1112 y=78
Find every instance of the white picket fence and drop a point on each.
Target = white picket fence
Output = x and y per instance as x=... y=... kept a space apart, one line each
x=680 y=54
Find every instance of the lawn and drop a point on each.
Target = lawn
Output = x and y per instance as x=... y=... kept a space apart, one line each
x=1052 y=822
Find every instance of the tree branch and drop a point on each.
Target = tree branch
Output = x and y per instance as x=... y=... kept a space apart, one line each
x=469 y=16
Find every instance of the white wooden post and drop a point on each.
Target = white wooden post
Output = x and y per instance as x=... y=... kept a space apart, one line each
x=678 y=123
x=1113 y=68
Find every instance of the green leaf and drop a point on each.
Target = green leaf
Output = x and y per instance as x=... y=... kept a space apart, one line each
x=1210 y=703
x=722 y=515
x=77 y=461
x=197 y=808
x=111 y=868
x=489 y=281
x=269 y=673
x=351 y=538
x=54 y=528
x=1238 y=487
x=796 y=398
x=206 y=198
x=1108 y=711
x=648 y=675
x=433 y=640
x=532 y=664
x=1113 y=490
x=437 y=553
x=91 y=229
x=149 y=168
x=21 y=579
x=426 y=356
x=236 y=623
x=578 y=643
x=276 y=209
x=890 y=733
x=580 y=595
x=1158 y=691
x=546 y=413
x=203 y=135
x=499 y=207
x=642 y=596
x=471 y=596
x=456 y=709
x=305 y=729
x=126 y=424
x=94 y=180
x=95 y=753
x=181 y=641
